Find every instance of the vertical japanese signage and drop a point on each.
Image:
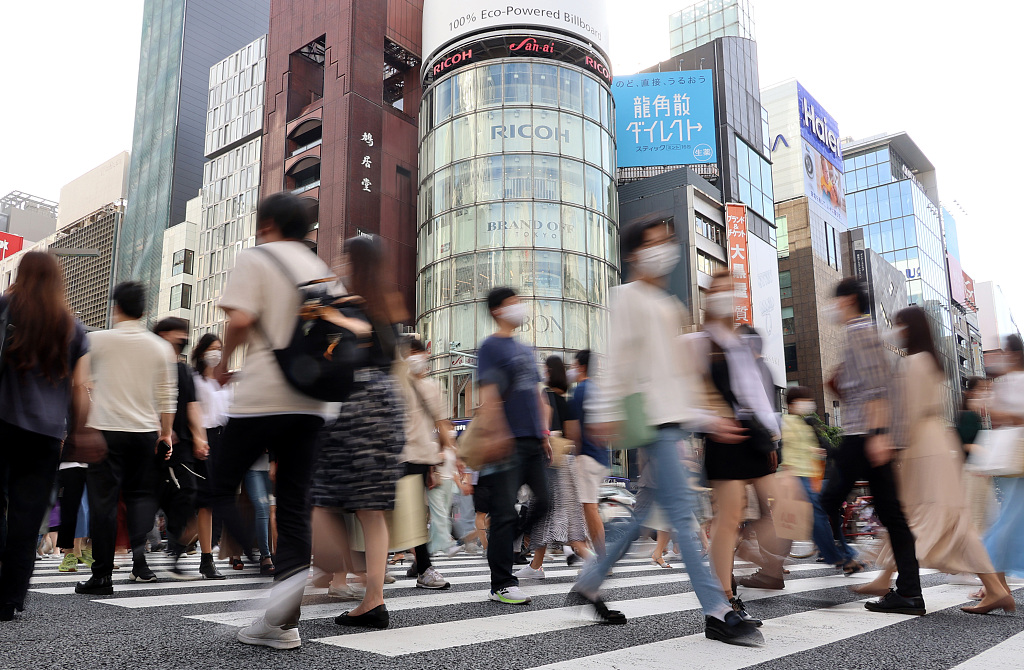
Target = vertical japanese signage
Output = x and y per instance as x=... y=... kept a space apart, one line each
x=970 y=302
x=10 y=244
x=736 y=220
x=665 y=118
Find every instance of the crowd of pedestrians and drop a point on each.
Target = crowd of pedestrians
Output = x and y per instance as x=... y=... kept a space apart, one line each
x=129 y=425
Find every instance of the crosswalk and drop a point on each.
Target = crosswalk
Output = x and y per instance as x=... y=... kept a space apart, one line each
x=815 y=618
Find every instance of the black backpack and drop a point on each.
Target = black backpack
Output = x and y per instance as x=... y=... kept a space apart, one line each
x=321 y=358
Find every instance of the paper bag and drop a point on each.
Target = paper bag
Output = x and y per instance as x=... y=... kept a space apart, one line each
x=792 y=514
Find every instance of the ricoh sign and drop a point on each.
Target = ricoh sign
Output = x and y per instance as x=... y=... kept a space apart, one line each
x=819 y=128
x=445 y=21
x=517 y=46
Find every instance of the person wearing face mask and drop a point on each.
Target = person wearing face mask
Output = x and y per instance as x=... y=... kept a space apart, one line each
x=511 y=403
x=735 y=390
x=804 y=456
x=427 y=440
x=179 y=496
x=649 y=361
x=863 y=383
x=928 y=476
x=970 y=421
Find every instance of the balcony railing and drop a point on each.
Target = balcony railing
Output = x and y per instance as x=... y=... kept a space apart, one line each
x=312 y=144
x=308 y=187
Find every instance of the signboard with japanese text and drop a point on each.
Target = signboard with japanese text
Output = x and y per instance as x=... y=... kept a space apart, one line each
x=445 y=21
x=818 y=128
x=665 y=118
x=739 y=263
x=10 y=244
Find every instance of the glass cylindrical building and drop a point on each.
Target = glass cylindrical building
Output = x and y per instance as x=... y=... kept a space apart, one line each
x=517 y=188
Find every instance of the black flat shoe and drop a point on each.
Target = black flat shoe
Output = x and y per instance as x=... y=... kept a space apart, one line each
x=378 y=617
x=96 y=586
x=894 y=603
x=604 y=615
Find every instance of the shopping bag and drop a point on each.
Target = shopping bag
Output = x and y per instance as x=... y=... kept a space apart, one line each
x=636 y=430
x=407 y=523
x=998 y=453
x=486 y=440
x=792 y=514
x=560 y=448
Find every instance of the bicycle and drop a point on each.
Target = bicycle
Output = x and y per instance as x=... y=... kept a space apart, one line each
x=859 y=521
x=615 y=505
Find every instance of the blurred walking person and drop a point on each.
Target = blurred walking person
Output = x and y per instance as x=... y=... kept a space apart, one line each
x=134 y=390
x=593 y=460
x=261 y=300
x=929 y=473
x=862 y=382
x=649 y=363
x=360 y=455
x=1005 y=538
x=43 y=368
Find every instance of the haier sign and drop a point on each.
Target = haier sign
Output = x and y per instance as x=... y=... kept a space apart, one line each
x=819 y=128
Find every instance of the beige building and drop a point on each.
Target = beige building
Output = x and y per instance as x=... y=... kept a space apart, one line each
x=178 y=268
x=102 y=185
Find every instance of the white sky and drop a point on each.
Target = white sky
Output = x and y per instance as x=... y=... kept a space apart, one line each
x=945 y=74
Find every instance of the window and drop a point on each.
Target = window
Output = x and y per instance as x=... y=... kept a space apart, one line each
x=790 y=352
x=181 y=262
x=707 y=264
x=785 y=284
x=782 y=228
x=713 y=231
x=754 y=180
x=788 y=321
x=181 y=296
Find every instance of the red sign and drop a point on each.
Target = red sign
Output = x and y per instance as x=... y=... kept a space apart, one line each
x=736 y=224
x=970 y=302
x=10 y=244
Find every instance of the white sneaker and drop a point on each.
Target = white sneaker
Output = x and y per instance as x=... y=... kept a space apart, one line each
x=453 y=550
x=431 y=579
x=346 y=592
x=262 y=634
x=510 y=595
x=527 y=572
x=963 y=579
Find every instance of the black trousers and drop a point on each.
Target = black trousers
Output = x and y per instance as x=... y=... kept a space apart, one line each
x=853 y=465
x=422 y=553
x=294 y=441
x=129 y=470
x=527 y=466
x=28 y=465
x=72 y=484
x=177 y=500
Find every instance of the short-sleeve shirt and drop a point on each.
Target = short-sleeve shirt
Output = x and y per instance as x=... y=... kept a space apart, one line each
x=30 y=401
x=258 y=287
x=186 y=395
x=589 y=447
x=510 y=365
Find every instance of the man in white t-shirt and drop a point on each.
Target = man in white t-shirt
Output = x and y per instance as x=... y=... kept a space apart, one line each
x=261 y=303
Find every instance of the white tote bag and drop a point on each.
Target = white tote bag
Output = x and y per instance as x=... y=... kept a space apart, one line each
x=998 y=453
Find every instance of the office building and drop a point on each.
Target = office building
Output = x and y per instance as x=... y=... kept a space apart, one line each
x=27 y=216
x=516 y=181
x=705 y=21
x=178 y=266
x=892 y=193
x=340 y=127
x=85 y=245
x=226 y=223
x=810 y=215
x=180 y=42
x=966 y=335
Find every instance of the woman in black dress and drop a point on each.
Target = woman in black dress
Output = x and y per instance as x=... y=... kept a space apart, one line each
x=736 y=390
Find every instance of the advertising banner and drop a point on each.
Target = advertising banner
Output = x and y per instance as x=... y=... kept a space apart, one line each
x=766 y=304
x=819 y=128
x=957 y=287
x=739 y=264
x=665 y=118
x=970 y=302
x=823 y=184
x=447 y=20
x=10 y=244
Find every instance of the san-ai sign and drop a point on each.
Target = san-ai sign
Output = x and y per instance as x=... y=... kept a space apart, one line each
x=665 y=118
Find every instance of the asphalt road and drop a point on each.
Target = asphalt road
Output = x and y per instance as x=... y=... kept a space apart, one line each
x=814 y=623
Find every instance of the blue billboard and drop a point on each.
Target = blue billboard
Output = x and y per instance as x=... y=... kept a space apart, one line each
x=819 y=128
x=665 y=118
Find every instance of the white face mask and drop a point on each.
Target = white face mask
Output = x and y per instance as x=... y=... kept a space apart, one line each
x=721 y=305
x=418 y=364
x=805 y=407
x=573 y=374
x=213 y=358
x=658 y=261
x=514 y=314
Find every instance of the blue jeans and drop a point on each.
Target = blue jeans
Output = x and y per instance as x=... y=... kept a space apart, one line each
x=257 y=485
x=833 y=550
x=672 y=492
